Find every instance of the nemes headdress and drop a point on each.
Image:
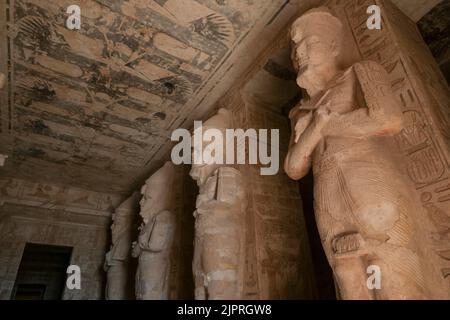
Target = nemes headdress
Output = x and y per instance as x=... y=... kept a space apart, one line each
x=164 y=175
x=221 y=120
x=160 y=186
x=129 y=207
x=318 y=21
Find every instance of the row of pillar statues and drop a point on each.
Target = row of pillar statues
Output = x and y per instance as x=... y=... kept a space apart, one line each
x=363 y=205
x=218 y=246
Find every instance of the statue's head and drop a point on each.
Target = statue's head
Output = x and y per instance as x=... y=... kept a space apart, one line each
x=221 y=121
x=124 y=215
x=157 y=192
x=316 y=41
x=121 y=222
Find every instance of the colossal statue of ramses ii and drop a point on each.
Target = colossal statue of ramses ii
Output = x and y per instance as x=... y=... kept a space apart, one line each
x=364 y=211
x=155 y=241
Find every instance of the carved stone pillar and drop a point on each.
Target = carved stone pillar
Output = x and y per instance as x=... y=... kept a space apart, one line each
x=219 y=222
x=343 y=130
x=117 y=260
x=157 y=232
x=424 y=96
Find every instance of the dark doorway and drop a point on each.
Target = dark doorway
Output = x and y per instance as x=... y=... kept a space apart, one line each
x=42 y=272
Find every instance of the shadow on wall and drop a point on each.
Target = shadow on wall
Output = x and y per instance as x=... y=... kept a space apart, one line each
x=274 y=88
x=435 y=30
x=42 y=272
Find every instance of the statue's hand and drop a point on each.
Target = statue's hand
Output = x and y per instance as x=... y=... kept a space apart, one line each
x=323 y=116
x=135 y=249
x=302 y=123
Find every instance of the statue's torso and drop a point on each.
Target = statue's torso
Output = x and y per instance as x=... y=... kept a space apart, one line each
x=350 y=173
x=343 y=95
x=219 y=202
x=340 y=94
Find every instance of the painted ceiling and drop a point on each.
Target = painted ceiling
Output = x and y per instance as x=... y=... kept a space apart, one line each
x=92 y=107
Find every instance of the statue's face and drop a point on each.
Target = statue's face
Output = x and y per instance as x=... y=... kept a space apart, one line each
x=151 y=201
x=118 y=222
x=309 y=52
x=201 y=171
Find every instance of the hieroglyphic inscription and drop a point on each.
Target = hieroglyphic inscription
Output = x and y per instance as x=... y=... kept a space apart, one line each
x=422 y=95
x=423 y=158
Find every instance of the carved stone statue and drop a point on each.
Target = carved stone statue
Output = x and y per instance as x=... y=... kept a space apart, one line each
x=219 y=218
x=117 y=260
x=363 y=207
x=155 y=241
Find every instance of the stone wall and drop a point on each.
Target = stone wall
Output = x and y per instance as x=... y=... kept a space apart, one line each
x=278 y=253
x=65 y=216
x=51 y=214
x=57 y=197
x=278 y=258
x=87 y=234
x=421 y=90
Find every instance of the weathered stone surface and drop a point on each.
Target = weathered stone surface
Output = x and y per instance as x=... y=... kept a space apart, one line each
x=87 y=234
x=165 y=242
x=277 y=258
x=93 y=107
x=219 y=223
x=423 y=94
x=93 y=110
x=363 y=218
x=118 y=267
x=53 y=196
x=157 y=232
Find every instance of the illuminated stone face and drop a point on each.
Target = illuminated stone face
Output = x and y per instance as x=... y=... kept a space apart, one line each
x=316 y=42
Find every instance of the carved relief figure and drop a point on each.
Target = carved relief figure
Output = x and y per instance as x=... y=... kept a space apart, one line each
x=362 y=205
x=155 y=241
x=219 y=218
x=117 y=260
